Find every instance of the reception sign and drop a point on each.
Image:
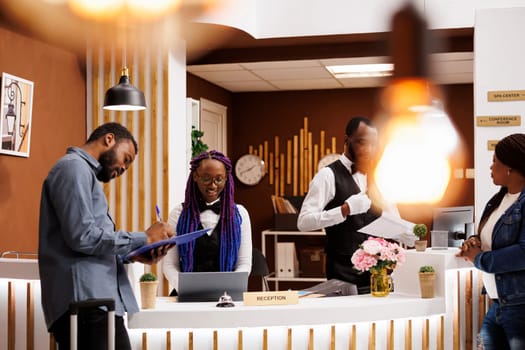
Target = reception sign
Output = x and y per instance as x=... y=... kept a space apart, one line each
x=498 y=120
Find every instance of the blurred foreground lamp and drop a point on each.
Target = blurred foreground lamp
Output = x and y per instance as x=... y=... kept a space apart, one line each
x=124 y=96
x=418 y=135
x=114 y=9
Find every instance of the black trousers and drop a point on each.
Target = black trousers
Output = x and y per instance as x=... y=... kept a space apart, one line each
x=92 y=331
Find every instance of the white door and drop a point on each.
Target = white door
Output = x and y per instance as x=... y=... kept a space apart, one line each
x=213 y=124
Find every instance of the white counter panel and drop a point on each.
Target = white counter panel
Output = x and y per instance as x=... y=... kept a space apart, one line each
x=309 y=311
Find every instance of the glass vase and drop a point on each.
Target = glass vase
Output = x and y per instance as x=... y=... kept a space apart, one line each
x=380 y=283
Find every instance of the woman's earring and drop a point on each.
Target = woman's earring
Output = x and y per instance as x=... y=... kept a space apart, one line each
x=508 y=172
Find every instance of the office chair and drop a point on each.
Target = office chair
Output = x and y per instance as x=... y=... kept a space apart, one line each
x=260 y=267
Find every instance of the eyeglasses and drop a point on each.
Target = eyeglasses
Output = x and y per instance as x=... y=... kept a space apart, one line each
x=207 y=180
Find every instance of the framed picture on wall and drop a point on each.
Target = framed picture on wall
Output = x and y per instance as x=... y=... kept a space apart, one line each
x=15 y=118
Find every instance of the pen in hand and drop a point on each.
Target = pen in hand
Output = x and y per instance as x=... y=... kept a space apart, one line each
x=158 y=213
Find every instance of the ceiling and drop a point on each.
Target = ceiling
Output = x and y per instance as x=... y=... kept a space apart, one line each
x=312 y=74
x=239 y=63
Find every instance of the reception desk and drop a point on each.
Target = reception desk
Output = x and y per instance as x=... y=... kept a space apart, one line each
x=401 y=320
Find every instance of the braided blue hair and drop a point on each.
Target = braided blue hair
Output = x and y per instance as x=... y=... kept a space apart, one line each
x=230 y=218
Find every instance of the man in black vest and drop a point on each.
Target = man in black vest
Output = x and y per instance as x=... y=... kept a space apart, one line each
x=338 y=201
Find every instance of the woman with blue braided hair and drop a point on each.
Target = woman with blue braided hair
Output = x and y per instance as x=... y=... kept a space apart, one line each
x=209 y=203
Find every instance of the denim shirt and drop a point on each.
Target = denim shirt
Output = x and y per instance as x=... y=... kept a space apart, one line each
x=507 y=258
x=78 y=252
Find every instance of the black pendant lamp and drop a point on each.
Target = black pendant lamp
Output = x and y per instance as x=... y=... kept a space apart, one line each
x=124 y=96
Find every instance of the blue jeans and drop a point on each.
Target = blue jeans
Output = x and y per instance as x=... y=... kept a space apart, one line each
x=503 y=327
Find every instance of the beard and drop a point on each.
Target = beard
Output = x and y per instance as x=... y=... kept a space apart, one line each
x=107 y=161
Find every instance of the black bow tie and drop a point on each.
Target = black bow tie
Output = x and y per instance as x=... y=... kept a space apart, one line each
x=215 y=207
x=353 y=167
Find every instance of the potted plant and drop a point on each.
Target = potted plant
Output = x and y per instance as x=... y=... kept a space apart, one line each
x=148 y=290
x=427 y=279
x=420 y=230
x=197 y=146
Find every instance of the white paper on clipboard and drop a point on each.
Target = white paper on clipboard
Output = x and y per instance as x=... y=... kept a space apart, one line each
x=388 y=226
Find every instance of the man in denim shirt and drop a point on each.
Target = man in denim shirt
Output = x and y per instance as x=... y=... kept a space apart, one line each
x=79 y=247
x=499 y=249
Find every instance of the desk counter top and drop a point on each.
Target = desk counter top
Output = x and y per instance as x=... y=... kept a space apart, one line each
x=309 y=311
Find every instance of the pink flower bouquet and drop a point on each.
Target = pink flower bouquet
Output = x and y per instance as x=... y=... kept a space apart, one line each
x=376 y=254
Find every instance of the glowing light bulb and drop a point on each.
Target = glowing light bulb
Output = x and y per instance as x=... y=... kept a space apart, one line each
x=414 y=166
x=97 y=9
x=111 y=9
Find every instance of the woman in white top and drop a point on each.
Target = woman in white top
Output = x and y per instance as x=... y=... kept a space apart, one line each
x=499 y=249
x=209 y=203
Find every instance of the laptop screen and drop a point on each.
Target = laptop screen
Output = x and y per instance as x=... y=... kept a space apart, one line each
x=210 y=286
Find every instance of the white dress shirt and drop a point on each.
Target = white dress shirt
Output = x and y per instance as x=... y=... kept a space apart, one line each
x=321 y=192
x=209 y=219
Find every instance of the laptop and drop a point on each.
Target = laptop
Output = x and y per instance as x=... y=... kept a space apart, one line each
x=210 y=286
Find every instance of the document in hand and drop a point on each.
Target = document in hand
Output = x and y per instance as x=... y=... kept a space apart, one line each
x=388 y=226
x=145 y=250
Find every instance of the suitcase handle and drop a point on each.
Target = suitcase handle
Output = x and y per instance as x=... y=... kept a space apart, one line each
x=74 y=307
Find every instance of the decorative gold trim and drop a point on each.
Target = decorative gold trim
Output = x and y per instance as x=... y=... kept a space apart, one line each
x=425 y=334
x=482 y=305
x=468 y=309
x=52 y=342
x=372 y=336
x=168 y=340
x=332 y=337
x=408 y=335
x=144 y=341
x=265 y=339
x=390 y=335
x=352 y=342
x=239 y=340
x=30 y=318
x=440 y=333
x=456 y=321
x=11 y=315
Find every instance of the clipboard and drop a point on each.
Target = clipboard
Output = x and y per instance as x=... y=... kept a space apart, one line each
x=180 y=239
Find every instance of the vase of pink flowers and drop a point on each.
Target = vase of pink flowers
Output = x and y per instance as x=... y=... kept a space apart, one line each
x=380 y=257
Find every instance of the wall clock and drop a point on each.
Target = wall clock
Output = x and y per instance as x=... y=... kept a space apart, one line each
x=327 y=160
x=249 y=169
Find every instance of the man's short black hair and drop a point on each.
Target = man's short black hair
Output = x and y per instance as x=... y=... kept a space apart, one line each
x=353 y=124
x=116 y=129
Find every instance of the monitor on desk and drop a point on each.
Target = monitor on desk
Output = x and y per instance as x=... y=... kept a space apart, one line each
x=210 y=286
x=458 y=221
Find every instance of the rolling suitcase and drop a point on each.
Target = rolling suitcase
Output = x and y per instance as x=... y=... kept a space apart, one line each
x=74 y=309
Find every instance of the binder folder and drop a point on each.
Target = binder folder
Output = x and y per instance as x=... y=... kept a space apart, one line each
x=287 y=263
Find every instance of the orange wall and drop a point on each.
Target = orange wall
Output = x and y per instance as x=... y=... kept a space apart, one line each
x=58 y=121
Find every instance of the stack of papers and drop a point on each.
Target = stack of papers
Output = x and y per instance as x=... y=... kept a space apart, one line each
x=388 y=226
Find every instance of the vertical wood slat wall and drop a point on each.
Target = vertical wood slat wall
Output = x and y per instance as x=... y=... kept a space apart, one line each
x=132 y=197
x=293 y=162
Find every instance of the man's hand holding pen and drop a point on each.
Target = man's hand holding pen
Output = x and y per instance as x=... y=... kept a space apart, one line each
x=470 y=248
x=157 y=232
